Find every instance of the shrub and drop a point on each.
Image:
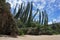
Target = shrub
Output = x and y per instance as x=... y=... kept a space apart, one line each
x=21 y=32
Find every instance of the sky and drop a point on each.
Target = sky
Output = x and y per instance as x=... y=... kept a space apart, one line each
x=51 y=6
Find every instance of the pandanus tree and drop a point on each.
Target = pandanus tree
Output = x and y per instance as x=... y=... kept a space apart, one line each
x=7 y=22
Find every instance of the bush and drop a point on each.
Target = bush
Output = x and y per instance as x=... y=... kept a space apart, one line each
x=21 y=32
x=45 y=30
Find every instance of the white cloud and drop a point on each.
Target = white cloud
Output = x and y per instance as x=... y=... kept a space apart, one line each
x=19 y=2
x=50 y=22
x=50 y=7
x=40 y=6
x=24 y=0
x=13 y=2
x=59 y=6
x=34 y=5
x=54 y=20
x=33 y=11
x=51 y=1
x=58 y=19
x=36 y=0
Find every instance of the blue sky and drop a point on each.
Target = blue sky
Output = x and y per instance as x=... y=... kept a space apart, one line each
x=51 y=6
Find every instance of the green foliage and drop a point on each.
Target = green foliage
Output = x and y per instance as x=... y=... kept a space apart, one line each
x=21 y=32
x=56 y=28
x=46 y=30
x=20 y=24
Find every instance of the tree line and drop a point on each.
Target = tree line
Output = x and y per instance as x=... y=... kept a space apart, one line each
x=23 y=21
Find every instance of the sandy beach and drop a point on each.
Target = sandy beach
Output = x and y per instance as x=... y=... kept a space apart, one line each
x=31 y=37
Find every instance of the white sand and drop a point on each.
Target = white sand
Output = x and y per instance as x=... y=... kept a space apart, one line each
x=30 y=37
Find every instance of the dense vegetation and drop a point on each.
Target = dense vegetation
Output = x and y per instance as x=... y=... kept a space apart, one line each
x=28 y=25
x=23 y=21
x=7 y=23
